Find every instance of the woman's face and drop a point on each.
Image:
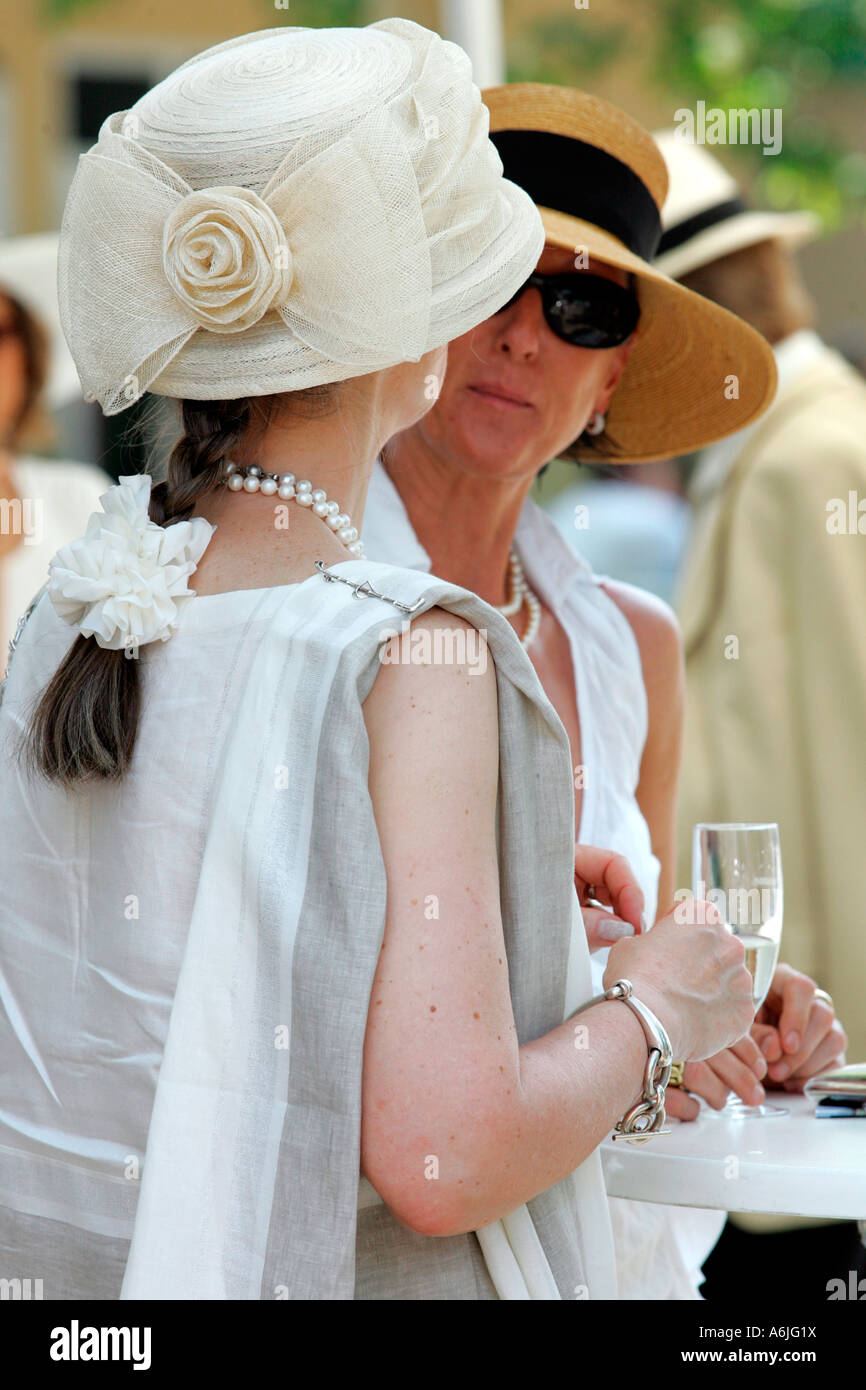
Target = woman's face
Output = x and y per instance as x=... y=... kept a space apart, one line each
x=560 y=385
x=13 y=368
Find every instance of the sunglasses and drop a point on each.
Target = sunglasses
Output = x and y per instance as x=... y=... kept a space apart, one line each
x=585 y=310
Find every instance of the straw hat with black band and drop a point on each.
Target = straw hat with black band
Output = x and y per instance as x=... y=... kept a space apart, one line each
x=697 y=372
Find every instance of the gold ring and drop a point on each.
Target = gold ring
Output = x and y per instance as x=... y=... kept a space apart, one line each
x=822 y=994
x=677 y=1070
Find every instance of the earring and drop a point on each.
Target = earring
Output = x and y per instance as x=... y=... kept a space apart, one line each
x=596 y=424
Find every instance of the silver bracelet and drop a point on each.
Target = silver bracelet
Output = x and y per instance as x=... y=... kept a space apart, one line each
x=645 y=1119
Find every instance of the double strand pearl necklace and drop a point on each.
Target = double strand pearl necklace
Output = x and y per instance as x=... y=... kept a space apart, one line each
x=250 y=478
x=520 y=594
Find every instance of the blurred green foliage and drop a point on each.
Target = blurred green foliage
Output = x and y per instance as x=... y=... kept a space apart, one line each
x=322 y=14
x=62 y=9
x=564 y=50
x=796 y=55
x=793 y=54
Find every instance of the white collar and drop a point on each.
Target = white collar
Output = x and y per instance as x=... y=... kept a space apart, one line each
x=794 y=355
x=387 y=532
x=550 y=563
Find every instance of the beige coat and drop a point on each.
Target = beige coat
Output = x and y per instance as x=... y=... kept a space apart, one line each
x=773 y=609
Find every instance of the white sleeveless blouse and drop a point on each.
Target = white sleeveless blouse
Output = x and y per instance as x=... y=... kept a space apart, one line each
x=659 y=1248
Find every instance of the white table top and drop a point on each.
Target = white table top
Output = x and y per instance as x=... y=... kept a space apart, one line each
x=791 y=1163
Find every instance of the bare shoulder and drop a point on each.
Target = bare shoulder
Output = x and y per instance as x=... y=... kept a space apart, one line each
x=438 y=667
x=654 y=625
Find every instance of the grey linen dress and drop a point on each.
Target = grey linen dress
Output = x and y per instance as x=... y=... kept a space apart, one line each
x=181 y=1113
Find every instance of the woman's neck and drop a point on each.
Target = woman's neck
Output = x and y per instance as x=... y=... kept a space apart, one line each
x=332 y=457
x=261 y=540
x=465 y=521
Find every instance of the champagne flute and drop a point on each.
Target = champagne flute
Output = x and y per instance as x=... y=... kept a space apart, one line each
x=738 y=868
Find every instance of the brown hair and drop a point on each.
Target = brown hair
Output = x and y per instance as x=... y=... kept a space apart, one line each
x=760 y=284
x=592 y=448
x=597 y=448
x=30 y=421
x=84 y=725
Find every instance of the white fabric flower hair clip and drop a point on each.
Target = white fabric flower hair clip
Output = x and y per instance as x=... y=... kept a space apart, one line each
x=125 y=581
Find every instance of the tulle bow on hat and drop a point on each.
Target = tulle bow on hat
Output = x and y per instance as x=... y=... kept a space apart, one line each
x=125 y=581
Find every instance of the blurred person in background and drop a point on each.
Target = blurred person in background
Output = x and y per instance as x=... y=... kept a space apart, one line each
x=771 y=604
x=850 y=340
x=631 y=524
x=563 y=371
x=772 y=592
x=43 y=502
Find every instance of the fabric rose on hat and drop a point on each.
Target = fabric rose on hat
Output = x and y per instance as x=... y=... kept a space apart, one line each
x=125 y=581
x=226 y=257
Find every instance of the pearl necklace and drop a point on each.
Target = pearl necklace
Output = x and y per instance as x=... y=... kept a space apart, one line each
x=250 y=478
x=520 y=594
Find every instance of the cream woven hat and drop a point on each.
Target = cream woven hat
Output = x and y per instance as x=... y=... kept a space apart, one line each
x=705 y=215
x=697 y=373
x=292 y=207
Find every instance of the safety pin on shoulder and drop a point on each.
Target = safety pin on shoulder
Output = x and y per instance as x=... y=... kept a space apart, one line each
x=364 y=589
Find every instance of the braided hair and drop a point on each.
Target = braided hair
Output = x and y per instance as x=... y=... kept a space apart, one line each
x=84 y=725
x=211 y=429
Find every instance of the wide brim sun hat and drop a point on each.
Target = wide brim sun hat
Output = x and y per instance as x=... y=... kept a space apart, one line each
x=292 y=207
x=697 y=373
x=705 y=215
x=28 y=274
